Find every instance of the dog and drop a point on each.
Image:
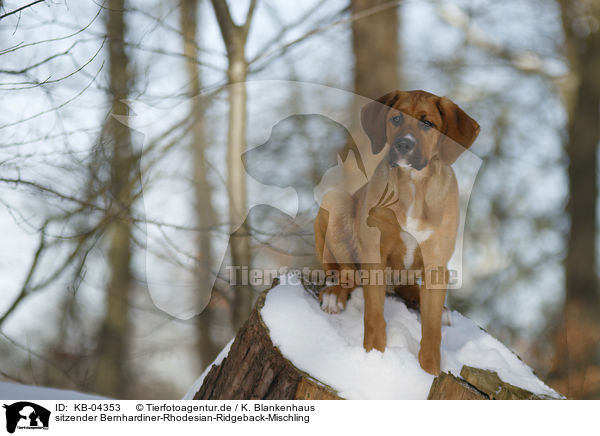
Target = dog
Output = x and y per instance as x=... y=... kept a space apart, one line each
x=404 y=218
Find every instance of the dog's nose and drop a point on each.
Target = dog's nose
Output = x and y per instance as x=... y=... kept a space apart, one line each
x=405 y=144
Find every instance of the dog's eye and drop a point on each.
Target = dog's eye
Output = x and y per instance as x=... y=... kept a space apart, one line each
x=426 y=124
x=396 y=120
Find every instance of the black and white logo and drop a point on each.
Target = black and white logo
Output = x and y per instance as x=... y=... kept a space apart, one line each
x=26 y=415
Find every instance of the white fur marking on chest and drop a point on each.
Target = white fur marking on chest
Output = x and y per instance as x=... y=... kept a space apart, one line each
x=413 y=235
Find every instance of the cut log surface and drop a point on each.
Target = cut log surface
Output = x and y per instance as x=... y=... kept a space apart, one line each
x=478 y=384
x=255 y=369
x=448 y=387
x=490 y=383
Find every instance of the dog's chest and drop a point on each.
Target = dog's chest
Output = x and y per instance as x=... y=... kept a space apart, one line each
x=414 y=229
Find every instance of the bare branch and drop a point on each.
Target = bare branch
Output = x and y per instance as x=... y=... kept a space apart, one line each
x=323 y=28
x=283 y=30
x=21 y=46
x=40 y=357
x=60 y=106
x=246 y=26
x=524 y=61
x=51 y=191
x=225 y=22
x=24 y=289
x=21 y=8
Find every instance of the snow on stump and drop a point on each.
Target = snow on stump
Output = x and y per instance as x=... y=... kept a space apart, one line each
x=255 y=369
x=290 y=349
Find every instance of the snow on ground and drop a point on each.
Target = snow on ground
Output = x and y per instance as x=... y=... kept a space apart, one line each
x=14 y=391
x=329 y=347
x=196 y=386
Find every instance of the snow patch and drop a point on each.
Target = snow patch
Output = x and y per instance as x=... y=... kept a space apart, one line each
x=329 y=347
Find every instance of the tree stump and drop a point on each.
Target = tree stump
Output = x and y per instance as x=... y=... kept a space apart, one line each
x=255 y=369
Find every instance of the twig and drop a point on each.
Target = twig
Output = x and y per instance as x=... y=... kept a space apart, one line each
x=40 y=357
x=32 y=268
x=21 y=8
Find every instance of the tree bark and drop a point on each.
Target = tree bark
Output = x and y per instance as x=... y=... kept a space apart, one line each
x=254 y=369
x=110 y=375
x=576 y=341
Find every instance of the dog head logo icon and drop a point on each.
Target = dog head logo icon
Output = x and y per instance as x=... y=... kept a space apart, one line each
x=26 y=415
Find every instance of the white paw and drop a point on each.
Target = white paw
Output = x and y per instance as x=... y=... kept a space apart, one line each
x=330 y=304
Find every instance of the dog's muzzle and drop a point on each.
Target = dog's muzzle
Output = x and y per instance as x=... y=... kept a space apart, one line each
x=405 y=144
x=402 y=152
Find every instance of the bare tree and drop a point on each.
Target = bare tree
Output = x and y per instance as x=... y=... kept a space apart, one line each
x=110 y=374
x=235 y=38
x=576 y=361
x=205 y=214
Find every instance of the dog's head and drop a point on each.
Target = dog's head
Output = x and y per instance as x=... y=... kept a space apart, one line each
x=419 y=127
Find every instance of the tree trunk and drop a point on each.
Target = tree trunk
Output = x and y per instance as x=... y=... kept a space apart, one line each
x=236 y=183
x=376 y=47
x=205 y=214
x=255 y=369
x=111 y=367
x=235 y=38
x=576 y=355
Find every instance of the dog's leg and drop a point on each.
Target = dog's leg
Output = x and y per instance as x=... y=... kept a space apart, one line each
x=435 y=255
x=334 y=243
x=335 y=229
x=431 y=308
x=375 y=336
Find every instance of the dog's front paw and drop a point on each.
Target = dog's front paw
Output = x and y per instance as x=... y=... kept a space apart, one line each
x=429 y=359
x=375 y=338
x=333 y=299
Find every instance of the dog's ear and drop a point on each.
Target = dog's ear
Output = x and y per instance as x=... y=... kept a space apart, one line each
x=373 y=116
x=459 y=131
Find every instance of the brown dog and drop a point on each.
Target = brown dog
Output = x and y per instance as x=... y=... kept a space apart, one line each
x=404 y=218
